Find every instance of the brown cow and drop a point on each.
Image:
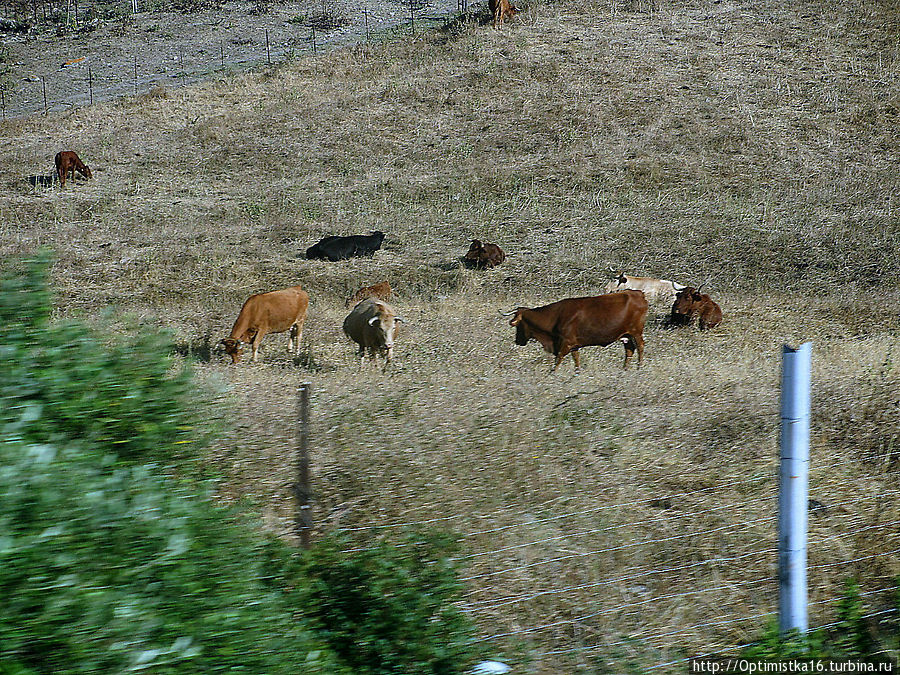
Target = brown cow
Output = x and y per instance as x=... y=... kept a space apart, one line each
x=690 y=303
x=483 y=256
x=500 y=9
x=264 y=313
x=68 y=162
x=381 y=290
x=568 y=325
x=372 y=325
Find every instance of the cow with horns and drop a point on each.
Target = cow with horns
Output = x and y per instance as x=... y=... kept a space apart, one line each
x=568 y=325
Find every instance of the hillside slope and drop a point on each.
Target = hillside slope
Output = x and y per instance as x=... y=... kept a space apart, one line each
x=613 y=520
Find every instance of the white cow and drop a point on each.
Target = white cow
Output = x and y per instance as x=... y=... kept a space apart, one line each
x=654 y=289
x=372 y=325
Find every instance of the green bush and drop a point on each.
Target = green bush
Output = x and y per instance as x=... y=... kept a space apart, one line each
x=389 y=608
x=104 y=570
x=850 y=636
x=106 y=567
x=60 y=384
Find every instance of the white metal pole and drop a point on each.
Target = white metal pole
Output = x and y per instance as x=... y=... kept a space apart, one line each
x=793 y=488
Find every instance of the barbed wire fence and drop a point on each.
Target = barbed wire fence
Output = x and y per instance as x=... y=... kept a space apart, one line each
x=612 y=587
x=64 y=84
x=736 y=589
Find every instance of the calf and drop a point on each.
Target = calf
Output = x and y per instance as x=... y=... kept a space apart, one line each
x=570 y=324
x=381 y=291
x=336 y=248
x=690 y=303
x=372 y=325
x=481 y=256
x=263 y=313
x=68 y=162
x=500 y=9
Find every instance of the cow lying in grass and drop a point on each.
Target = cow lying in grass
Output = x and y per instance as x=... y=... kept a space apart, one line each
x=483 y=256
x=690 y=303
x=380 y=291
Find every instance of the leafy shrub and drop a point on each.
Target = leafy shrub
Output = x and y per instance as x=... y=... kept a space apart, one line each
x=104 y=570
x=389 y=608
x=60 y=384
x=850 y=636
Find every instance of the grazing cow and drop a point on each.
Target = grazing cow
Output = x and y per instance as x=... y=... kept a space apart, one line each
x=372 y=325
x=264 y=313
x=690 y=303
x=335 y=248
x=500 y=9
x=568 y=325
x=654 y=289
x=481 y=256
x=381 y=290
x=69 y=162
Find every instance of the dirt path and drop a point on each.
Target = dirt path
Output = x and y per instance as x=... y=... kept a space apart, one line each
x=152 y=49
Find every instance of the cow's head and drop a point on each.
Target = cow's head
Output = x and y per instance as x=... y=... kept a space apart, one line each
x=232 y=348
x=523 y=333
x=475 y=250
x=378 y=235
x=387 y=323
x=683 y=307
x=86 y=172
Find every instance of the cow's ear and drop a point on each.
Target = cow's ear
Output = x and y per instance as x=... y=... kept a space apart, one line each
x=372 y=321
x=399 y=319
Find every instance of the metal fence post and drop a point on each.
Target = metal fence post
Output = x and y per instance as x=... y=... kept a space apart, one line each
x=302 y=489
x=793 y=488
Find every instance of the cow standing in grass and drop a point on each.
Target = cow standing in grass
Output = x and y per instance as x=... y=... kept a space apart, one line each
x=264 y=313
x=372 y=325
x=501 y=9
x=568 y=325
x=68 y=162
x=653 y=289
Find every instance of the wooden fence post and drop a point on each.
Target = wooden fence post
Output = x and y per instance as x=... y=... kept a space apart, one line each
x=302 y=489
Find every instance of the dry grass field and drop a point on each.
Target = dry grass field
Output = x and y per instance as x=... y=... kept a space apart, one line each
x=612 y=521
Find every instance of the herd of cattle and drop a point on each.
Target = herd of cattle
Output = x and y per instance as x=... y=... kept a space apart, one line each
x=561 y=327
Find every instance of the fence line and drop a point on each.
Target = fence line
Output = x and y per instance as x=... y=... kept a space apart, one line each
x=637 y=502
x=510 y=600
x=19 y=101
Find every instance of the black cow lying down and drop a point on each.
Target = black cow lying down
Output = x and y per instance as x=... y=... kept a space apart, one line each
x=340 y=248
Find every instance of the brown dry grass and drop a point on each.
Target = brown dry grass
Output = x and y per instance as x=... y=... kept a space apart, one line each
x=752 y=147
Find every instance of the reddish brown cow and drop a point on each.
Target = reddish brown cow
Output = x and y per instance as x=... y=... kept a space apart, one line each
x=264 y=313
x=68 y=162
x=690 y=303
x=381 y=290
x=481 y=256
x=500 y=9
x=568 y=325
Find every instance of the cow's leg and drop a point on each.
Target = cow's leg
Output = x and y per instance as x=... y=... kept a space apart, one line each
x=254 y=344
x=62 y=176
x=630 y=344
x=299 y=326
x=639 y=342
x=560 y=355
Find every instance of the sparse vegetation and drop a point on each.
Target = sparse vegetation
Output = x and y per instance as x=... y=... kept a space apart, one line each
x=750 y=147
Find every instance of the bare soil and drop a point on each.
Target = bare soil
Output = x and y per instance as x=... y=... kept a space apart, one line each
x=136 y=52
